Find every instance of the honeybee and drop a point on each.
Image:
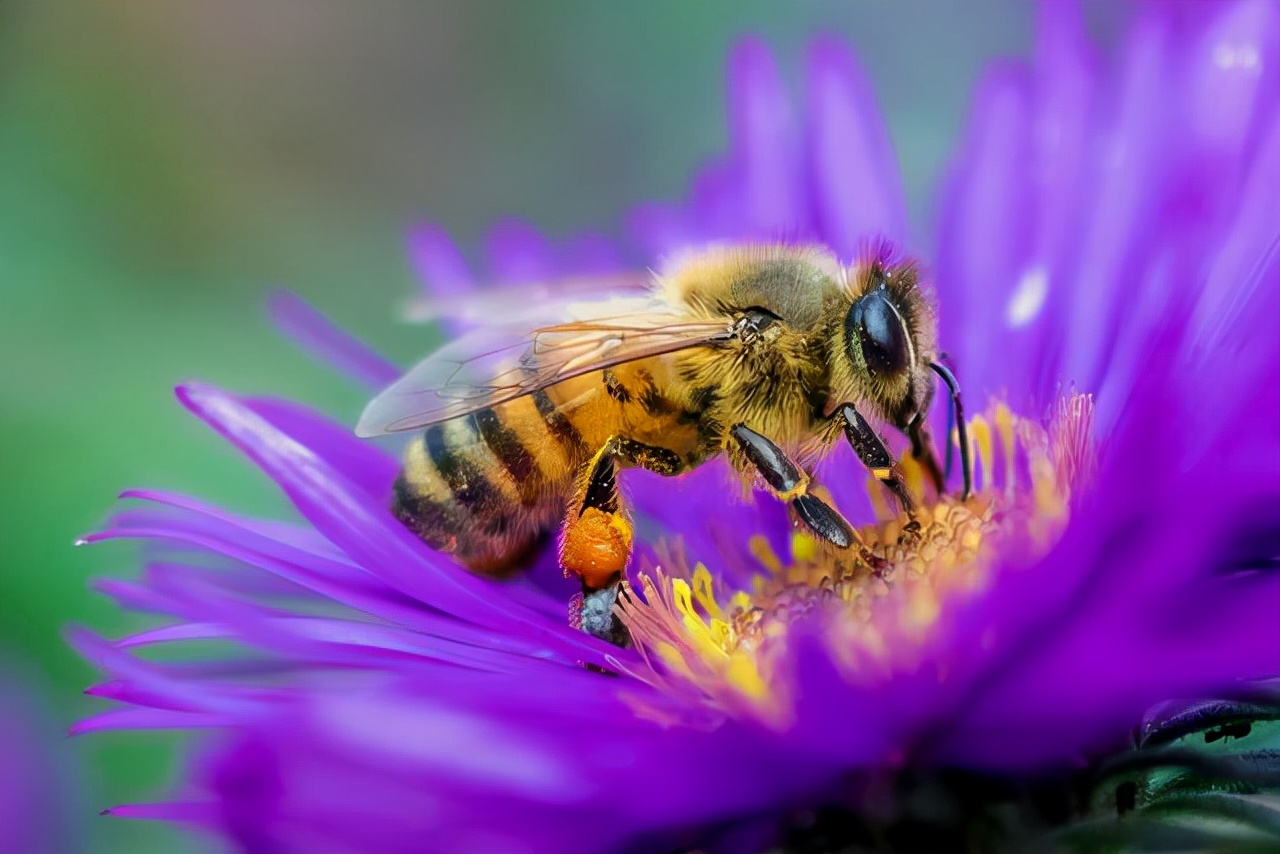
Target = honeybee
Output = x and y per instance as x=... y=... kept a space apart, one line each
x=766 y=354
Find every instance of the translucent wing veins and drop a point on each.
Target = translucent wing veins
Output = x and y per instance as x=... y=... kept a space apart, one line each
x=499 y=363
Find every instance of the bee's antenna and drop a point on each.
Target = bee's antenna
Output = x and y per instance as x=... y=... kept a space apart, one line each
x=950 y=458
x=958 y=408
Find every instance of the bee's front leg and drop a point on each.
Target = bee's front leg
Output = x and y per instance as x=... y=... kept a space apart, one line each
x=923 y=453
x=871 y=449
x=791 y=484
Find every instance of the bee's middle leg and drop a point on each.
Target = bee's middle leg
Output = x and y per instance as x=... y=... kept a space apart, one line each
x=791 y=484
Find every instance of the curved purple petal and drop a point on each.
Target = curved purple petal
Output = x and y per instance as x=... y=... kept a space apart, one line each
x=316 y=334
x=517 y=252
x=370 y=535
x=853 y=175
x=441 y=270
x=763 y=157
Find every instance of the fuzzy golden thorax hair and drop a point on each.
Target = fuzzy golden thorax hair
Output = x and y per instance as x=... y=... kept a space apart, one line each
x=830 y=335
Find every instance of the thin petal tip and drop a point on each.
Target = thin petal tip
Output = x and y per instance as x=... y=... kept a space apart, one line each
x=190 y=393
x=281 y=301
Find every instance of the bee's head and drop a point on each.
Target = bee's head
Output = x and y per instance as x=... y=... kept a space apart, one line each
x=877 y=336
x=889 y=334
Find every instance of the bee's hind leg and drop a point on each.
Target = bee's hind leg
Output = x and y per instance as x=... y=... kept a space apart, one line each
x=595 y=545
x=595 y=542
x=593 y=613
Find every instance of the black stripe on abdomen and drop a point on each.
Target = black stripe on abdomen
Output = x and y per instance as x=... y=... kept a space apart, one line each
x=559 y=425
x=430 y=520
x=470 y=488
x=512 y=455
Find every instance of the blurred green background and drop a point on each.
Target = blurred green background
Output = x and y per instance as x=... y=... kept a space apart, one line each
x=164 y=164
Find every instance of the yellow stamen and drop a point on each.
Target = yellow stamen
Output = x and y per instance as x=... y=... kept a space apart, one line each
x=913 y=475
x=980 y=435
x=1003 y=418
x=879 y=602
x=745 y=675
x=703 y=591
x=763 y=552
x=879 y=503
x=803 y=547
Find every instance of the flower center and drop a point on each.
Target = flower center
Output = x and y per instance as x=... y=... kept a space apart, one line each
x=874 y=605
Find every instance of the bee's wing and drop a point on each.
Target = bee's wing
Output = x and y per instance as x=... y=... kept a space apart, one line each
x=512 y=301
x=501 y=362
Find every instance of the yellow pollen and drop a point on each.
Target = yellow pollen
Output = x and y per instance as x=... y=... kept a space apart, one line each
x=702 y=591
x=980 y=435
x=877 y=603
x=1003 y=418
x=923 y=606
x=803 y=547
x=879 y=503
x=913 y=474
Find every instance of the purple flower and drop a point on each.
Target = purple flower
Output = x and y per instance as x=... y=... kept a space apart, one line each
x=1106 y=270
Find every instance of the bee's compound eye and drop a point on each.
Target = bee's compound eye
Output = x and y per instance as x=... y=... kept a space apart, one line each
x=876 y=328
x=756 y=320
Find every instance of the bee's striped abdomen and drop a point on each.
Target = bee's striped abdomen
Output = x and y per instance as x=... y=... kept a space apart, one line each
x=517 y=460
x=561 y=429
x=489 y=485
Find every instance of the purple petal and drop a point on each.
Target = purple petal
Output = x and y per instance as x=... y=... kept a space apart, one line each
x=441 y=270
x=519 y=253
x=853 y=173
x=1116 y=246
x=589 y=253
x=371 y=535
x=984 y=240
x=198 y=813
x=147 y=718
x=242 y=541
x=660 y=229
x=317 y=335
x=764 y=157
x=169 y=693
x=1230 y=84
x=1247 y=265
x=362 y=462
x=716 y=204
